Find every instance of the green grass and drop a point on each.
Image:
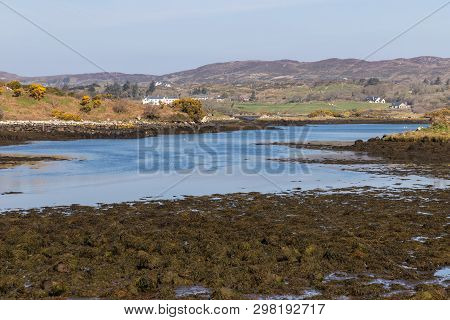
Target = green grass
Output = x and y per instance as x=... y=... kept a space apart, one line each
x=308 y=107
x=438 y=132
x=25 y=101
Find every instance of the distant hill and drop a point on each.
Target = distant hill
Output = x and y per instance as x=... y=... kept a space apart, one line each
x=288 y=70
x=5 y=76
x=89 y=78
x=270 y=71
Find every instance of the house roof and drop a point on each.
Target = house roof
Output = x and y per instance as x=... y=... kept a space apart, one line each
x=160 y=97
x=373 y=98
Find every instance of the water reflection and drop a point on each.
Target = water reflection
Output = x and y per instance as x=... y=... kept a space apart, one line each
x=162 y=167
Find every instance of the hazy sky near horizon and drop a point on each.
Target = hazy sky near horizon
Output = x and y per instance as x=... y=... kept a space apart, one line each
x=158 y=37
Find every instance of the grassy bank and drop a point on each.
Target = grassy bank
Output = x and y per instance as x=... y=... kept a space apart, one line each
x=439 y=131
x=26 y=108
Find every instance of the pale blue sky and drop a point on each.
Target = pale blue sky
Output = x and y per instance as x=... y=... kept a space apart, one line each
x=157 y=37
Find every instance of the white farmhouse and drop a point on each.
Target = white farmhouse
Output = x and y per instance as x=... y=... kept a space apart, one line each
x=399 y=105
x=158 y=100
x=201 y=97
x=375 y=100
x=159 y=83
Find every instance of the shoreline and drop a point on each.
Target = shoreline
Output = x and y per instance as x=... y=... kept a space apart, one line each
x=428 y=157
x=20 y=132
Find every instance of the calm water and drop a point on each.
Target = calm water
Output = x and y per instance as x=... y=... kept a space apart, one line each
x=163 y=167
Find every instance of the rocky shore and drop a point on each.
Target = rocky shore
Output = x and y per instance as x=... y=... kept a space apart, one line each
x=17 y=132
x=349 y=244
x=417 y=157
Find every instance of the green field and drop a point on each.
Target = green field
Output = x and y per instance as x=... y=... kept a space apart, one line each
x=308 y=107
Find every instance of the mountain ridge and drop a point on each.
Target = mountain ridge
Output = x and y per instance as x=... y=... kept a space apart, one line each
x=285 y=70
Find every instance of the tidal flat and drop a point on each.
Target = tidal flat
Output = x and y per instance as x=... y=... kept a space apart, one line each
x=327 y=233
x=356 y=243
x=14 y=160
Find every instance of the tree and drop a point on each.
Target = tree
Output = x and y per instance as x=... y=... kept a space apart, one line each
x=91 y=89
x=438 y=81
x=448 y=82
x=151 y=88
x=192 y=107
x=114 y=90
x=253 y=96
x=372 y=82
x=126 y=86
x=37 y=91
x=135 y=90
x=361 y=81
x=197 y=91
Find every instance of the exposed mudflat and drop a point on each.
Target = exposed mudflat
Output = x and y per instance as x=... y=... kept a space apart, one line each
x=416 y=157
x=401 y=151
x=10 y=161
x=352 y=243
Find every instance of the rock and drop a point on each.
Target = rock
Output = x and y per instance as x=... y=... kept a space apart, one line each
x=61 y=268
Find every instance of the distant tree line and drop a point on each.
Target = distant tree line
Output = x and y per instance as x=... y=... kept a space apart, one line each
x=127 y=90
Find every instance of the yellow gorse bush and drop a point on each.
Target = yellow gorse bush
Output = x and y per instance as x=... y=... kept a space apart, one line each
x=60 y=115
x=37 y=91
x=85 y=100
x=192 y=107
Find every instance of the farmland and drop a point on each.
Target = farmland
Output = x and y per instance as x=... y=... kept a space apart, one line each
x=308 y=107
